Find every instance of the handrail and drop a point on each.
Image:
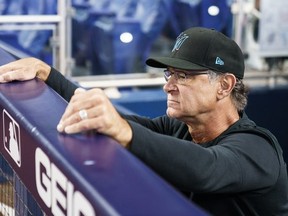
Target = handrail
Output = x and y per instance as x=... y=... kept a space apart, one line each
x=81 y=174
x=30 y=19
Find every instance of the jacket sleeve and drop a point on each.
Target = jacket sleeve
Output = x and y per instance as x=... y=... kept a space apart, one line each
x=236 y=164
x=61 y=84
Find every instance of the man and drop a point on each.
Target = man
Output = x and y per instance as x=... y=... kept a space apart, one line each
x=205 y=146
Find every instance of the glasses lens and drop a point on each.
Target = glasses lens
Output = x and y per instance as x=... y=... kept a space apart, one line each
x=179 y=76
x=167 y=75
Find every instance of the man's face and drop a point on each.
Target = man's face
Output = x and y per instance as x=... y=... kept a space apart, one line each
x=191 y=96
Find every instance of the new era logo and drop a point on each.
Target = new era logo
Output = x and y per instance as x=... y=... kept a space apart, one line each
x=219 y=61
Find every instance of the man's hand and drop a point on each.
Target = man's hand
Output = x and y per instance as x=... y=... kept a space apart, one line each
x=24 y=69
x=92 y=110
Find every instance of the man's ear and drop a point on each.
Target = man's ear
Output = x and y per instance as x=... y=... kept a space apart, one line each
x=227 y=83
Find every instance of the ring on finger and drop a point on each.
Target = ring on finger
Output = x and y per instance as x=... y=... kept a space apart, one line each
x=83 y=114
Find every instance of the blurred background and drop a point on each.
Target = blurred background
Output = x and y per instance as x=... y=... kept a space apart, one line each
x=104 y=43
x=104 y=37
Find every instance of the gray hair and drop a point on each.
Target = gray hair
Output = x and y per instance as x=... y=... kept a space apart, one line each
x=239 y=94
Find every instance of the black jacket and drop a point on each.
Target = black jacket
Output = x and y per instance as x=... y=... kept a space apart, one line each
x=241 y=172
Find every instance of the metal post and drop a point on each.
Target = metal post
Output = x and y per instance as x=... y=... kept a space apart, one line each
x=239 y=22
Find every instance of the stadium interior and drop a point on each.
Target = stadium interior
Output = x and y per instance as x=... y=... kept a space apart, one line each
x=104 y=43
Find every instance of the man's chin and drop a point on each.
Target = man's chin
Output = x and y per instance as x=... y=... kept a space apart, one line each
x=172 y=113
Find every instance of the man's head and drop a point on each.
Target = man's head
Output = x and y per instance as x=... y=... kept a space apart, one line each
x=204 y=74
x=201 y=49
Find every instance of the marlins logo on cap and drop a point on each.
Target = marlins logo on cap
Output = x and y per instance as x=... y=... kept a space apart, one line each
x=180 y=40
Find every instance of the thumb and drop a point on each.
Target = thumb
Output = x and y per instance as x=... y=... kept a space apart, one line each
x=79 y=90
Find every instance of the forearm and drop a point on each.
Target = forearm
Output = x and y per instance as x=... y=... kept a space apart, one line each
x=168 y=156
x=60 y=84
x=191 y=167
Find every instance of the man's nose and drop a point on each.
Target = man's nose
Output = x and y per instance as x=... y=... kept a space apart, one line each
x=170 y=85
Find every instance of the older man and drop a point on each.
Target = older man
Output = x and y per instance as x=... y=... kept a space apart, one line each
x=205 y=146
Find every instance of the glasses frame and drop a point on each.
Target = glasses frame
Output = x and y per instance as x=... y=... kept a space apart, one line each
x=181 y=76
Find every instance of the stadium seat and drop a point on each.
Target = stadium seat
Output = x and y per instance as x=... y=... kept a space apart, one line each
x=85 y=14
x=143 y=19
x=206 y=13
x=217 y=14
x=32 y=42
x=112 y=54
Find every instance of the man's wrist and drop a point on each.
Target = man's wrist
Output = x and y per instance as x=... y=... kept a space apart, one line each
x=43 y=70
x=124 y=137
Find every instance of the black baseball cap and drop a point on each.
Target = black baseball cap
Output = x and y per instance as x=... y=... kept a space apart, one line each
x=201 y=48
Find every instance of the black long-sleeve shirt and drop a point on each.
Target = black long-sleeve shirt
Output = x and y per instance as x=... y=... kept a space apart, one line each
x=241 y=172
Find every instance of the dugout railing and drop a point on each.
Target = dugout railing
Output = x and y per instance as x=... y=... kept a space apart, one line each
x=43 y=172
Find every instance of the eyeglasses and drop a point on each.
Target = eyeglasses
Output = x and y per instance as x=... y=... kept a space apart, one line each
x=181 y=76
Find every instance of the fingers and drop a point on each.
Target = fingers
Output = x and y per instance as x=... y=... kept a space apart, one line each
x=78 y=101
x=7 y=71
x=76 y=124
x=79 y=90
x=5 y=78
x=92 y=110
x=77 y=121
x=13 y=75
x=83 y=106
x=5 y=68
x=24 y=69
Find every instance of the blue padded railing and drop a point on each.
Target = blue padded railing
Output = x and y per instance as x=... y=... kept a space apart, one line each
x=81 y=174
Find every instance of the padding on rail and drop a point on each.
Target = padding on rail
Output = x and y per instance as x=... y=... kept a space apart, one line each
x=43 y=172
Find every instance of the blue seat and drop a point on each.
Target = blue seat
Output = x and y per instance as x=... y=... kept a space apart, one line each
x=110 y=54
x=144 y=19
x=190 y=13
x=32 y=42
x=221 y=21
x=153 y=16
x=87 y=13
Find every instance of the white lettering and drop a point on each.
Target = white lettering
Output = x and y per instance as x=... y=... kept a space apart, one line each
x=82 y=207
x=42 y=176
x=70 y=190
x=56 y=191
x=58 y=198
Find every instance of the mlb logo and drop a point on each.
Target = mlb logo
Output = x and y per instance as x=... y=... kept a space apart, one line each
x=11 y=137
